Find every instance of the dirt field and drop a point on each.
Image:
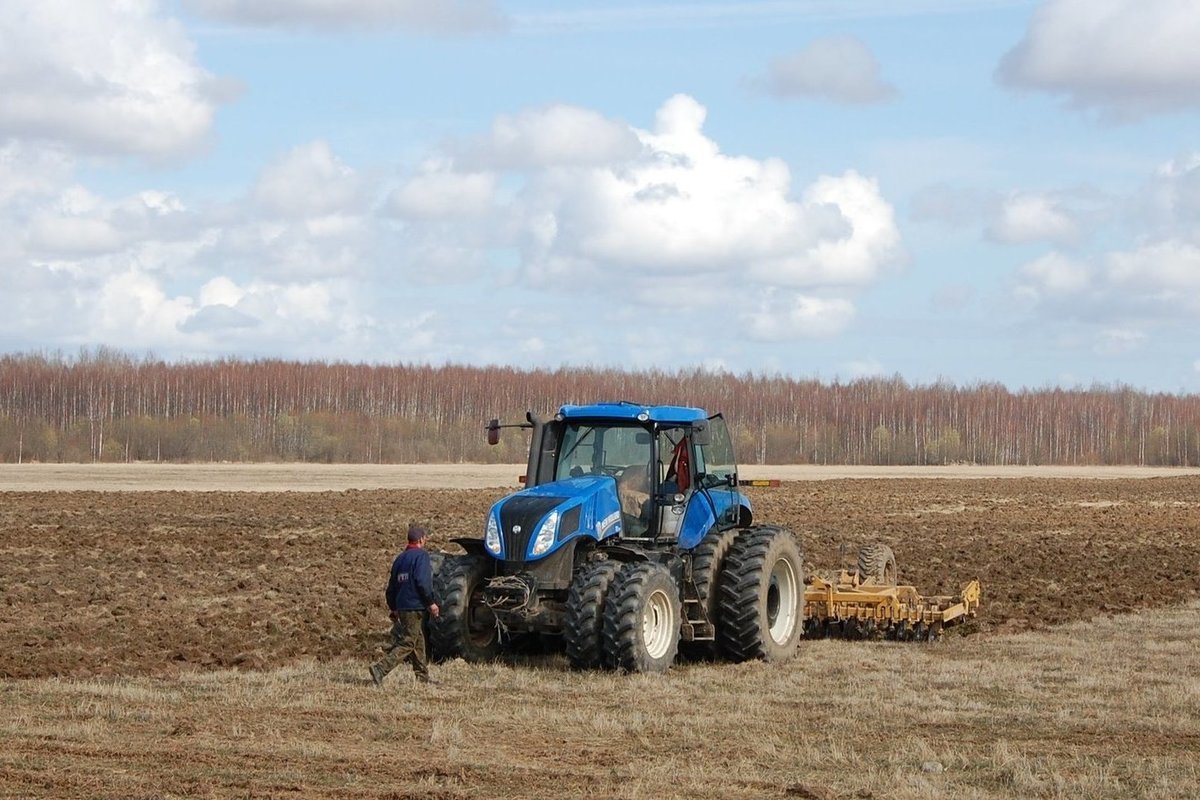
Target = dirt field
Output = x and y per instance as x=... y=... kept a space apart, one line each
x=211 y=644
x=125 y=583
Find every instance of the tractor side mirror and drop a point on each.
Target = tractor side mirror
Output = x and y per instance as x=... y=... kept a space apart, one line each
x=701 y=435
x=493 y=432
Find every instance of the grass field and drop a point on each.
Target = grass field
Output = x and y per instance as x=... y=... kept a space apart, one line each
x=214 y=644
x=1104 y=709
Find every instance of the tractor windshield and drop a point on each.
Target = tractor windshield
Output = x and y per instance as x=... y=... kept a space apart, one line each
x=602 y=449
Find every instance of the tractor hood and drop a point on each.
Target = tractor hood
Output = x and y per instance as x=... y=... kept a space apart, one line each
x=533 y=523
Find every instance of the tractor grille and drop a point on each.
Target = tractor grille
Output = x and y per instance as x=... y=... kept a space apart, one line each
x=525 y=512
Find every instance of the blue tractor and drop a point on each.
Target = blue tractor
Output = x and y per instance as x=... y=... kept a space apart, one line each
x=630 y=541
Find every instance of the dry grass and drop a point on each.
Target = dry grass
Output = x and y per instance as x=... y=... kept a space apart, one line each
x=1103 y=709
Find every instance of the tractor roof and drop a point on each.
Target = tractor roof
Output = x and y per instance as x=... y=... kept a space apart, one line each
x=633 y=412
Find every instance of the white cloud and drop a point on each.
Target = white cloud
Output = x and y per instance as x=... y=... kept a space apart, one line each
x=873 y=241
x=1025 y=217
x=132 y=310
x=1173 y=198
x=441 y=192
x=1125 y=58
x=301 y=263
x=1055 y=275
x=79 y=223
x=31 y=171
x=1152 y=283
x=683 y=207
x=440 y=16
x=308 y=181
x=783 y=315
x=841 y=69
x=1168 y=269
x=109 y=78
x=557 y=135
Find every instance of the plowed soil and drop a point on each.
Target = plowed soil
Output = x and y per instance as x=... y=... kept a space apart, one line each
x=152 y=583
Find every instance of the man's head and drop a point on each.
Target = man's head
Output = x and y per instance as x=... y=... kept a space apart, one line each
x=417 y=534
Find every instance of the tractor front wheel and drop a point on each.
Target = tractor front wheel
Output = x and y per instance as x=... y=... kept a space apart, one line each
x=642 y=619
x=584 y=626
x=466 y=627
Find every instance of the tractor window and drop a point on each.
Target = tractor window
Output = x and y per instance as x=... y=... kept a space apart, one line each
x=674 y=460
x=602 y=450
x=717 y=461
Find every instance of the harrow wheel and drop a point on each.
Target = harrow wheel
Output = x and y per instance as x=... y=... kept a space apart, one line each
x=708 y=559
x=642 y=619
x=877 y=564
x=761 y=600
x=466 y=627
x=583 y=630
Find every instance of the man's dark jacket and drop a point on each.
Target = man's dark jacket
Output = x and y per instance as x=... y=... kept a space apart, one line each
x=410 y=587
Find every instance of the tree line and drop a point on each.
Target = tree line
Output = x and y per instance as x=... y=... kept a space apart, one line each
x=104 y=405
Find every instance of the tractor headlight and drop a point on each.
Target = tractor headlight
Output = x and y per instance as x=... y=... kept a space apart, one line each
x=491 y=537
x=545 y=534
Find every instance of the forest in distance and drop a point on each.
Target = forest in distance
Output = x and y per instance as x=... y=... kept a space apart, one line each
x=108 y=406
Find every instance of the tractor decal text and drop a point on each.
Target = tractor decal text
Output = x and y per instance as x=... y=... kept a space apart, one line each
x=605 y=524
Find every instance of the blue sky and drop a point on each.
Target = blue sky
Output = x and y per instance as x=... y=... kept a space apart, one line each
x=998 y=190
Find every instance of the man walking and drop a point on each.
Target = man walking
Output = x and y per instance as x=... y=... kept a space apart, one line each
x=409 y=595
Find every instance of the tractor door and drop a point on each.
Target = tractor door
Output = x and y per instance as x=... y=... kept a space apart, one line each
x=716 y=471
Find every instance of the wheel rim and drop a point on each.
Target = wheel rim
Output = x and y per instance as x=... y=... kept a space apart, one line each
x=481 y=622
x=656 y=624
x=782 y=596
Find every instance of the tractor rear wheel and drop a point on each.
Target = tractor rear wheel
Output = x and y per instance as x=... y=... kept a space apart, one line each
x=583 y=631
x=876 y=564
x=708 y=559
x=761 y=598
x=466 y=627
x=642 y=619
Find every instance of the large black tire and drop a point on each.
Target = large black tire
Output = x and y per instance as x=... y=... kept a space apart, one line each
x=876 y=564
x=642 y=618
x=583 y=631
x=466 y=627
x=760 y=605
x=708 y=559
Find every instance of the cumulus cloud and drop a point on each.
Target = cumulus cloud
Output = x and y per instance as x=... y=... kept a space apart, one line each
x=28 y=170
x=1167 y=269
x=558 y=135
x=1125 y=58
x=442 y=16
x=785 y=315
x=1025 y=217
x=1054 y=275
x=1173 y=199
x=841 y=69
x=547 y=204
x=684 y=207
x=439 y=191
x=77 y=222
x=107 y=78
x=308 y=181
